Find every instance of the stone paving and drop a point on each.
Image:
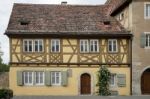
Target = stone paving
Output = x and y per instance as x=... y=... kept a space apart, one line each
x=81 y=97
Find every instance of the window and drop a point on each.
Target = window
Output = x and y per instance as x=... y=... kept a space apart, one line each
x=112 y=45
x=56 y=78
x=28 y=45
x=112 y=79
x=121 y=16
x=94 y=46
x=55 y=45
x=39 y=78
x=28 y=78
x=147 y=40
x=32 y=45
x=147 y=11
x=84 y=46
x=38 y=45
x=89 y=46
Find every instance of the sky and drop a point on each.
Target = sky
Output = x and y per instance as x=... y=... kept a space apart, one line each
x=5 y=11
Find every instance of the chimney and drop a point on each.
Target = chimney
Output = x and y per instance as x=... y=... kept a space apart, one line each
x=64 y=3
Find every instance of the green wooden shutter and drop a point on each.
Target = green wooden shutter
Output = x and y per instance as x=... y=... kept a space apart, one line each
x=121 y=80
x=64 y=78
x=143 y=40
x=34 y=78
x=19 y=78
x=47 y=78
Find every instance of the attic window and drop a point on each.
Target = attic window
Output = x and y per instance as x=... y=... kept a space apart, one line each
x=106 y=22
x=24 y=22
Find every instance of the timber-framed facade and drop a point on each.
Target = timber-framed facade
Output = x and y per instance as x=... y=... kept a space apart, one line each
x=58 y=57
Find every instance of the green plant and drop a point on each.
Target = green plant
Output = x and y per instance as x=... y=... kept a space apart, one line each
x=3 y=67
x=6 y=94
x=103 y=81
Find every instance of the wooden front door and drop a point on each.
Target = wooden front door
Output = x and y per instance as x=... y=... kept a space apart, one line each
x=145 y=82
x=85 y=84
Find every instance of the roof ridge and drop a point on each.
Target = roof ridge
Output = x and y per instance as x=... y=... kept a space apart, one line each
x=92 y=5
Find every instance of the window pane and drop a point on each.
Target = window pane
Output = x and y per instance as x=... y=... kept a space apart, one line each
x=25 y=77
x=110 y=46
x=25 y=46
x=112 y=79
x=37 y=77
x=147 y=41
x=81 y=48
x=114 y=46
x=30 y=77
x=92 y=48
x=57 y=48
x=147 y=10
x=40 y=45
x=55 y=78
x=41 y=77
x=55 y=45
x=36 y=46
x=30 y=46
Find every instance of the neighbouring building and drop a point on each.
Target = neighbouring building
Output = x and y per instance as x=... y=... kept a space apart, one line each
x=134 y=15
x=58 y=50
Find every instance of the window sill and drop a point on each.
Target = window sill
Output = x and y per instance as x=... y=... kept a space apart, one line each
x=56 y=85
x=89 y=52
x=33 y=52
x=113 y=52
x=147 y=18
x=146 y=47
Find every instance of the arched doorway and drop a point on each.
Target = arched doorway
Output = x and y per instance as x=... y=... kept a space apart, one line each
x=145 y=82
x=85 y=84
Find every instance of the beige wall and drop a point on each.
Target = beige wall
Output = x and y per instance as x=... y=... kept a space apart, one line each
x=73 y=82
x=134 y=13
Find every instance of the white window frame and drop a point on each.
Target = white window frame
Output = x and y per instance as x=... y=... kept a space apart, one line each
x=83 y=41
x=94 y=50
x=55 y=40
x=114 y=83
x=121 y=16
x=27 y=40
x=38 y=40
x=60 y=78
x=24 y=74
x=147 y=33
x=112 y=40
x=39 y=78
x=145 y=10
x=33 y=45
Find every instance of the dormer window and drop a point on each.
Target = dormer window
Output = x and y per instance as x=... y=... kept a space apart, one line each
x=24 y=22
x=121 y=16
x=106 y=22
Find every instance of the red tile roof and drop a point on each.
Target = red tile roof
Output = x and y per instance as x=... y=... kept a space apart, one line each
x=40 y=18
x=115 y=4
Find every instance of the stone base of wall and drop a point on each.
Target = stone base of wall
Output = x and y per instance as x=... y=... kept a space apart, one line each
x=4 y=80
x=137 y=71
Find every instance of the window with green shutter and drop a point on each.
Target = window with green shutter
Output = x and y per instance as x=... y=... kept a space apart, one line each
x=143 y=40
x=47 y=78
x=64 y=78
x=121 y=80
x=19 y=78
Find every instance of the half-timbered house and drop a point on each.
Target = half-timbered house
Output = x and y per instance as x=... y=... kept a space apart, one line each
x=58 y=50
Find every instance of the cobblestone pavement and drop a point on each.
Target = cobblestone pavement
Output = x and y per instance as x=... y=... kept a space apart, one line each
x=81 y=97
